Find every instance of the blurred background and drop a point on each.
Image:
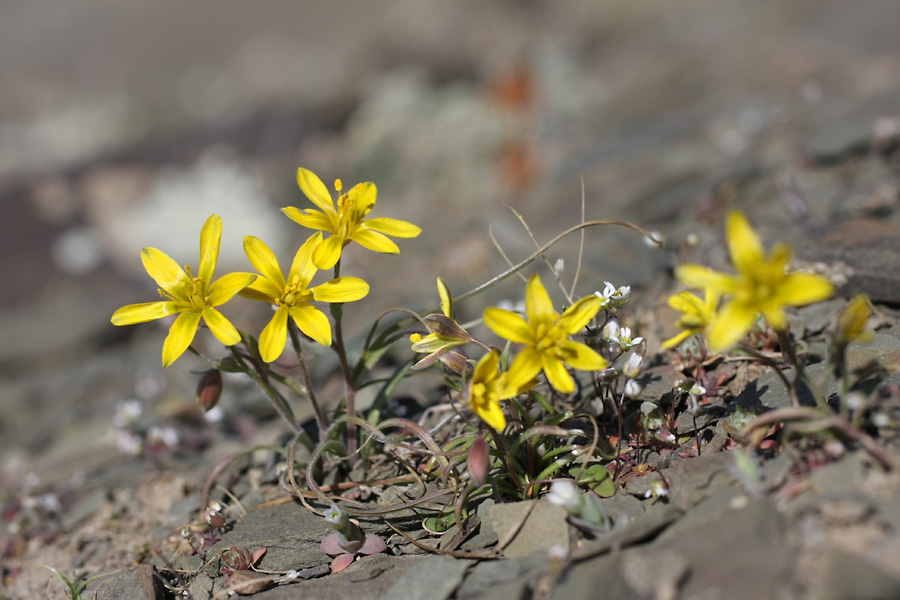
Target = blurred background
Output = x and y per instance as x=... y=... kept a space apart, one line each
x=124 y=125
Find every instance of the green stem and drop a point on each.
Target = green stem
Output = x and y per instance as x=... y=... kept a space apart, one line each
x=295 y=340
x=280 y=404
x=337 y=312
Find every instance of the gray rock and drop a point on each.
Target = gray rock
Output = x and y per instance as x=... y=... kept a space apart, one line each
x=290 y=532
x=849 y=576
x=738 y=554
x=434 y=578
x=142 y=583
x=545 y=527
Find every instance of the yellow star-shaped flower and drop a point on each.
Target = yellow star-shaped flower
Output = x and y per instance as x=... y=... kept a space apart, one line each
x=697 y=316
x=488 y=387
x=292 y=295
x=193 y=297
x=762 y=284
x=546 y=337
x=348 y=221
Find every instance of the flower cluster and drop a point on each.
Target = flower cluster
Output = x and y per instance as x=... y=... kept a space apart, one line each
x=761 y=285
x=196 y=298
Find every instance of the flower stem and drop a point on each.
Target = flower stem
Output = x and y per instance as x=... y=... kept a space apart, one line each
x=337 y=311
x=278 y=402
x=295 y=340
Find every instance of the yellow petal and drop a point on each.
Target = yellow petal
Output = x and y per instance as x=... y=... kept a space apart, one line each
x=798 y=289
x=374 y=241
x=538 y=305
x=303 y=265
x=165 y=272
x=557 y=374
x=446 y=298
x=686 y=302
x=579 y=314
x=181 y=334
x=366 y=194
x=698 y=276
x=311 y=219
x=328 y=252
x=342 y=289
x=429 y=343
x=274 y=336
x=733 y=323
x=393 y=227
x=313 y=323
x=225 y=287
x=147 y=311
x=262 y=290
x=491 y=414
x=581 y=356
x=263 y=260
x=314 y=189
x=674 y=341
x=525 y=367
x=221 y=327
x=744 y=247
x=773 y=313
x=508 y=325
x=486 y=369
x=210 y=238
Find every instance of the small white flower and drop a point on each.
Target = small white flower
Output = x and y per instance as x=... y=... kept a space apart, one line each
x=127 y=413
x=632 y=389
x=624 y=340
x=855 y=400
x=606 y=295
x=633 y=365
x=621 y=296
x=129 y=443
x=167 y=436
x=693 y=402
x=566 y=495
x=557 y=552
x=334 y=515
x=610 y=331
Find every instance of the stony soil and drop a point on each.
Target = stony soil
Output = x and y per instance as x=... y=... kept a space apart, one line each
x=126 y=126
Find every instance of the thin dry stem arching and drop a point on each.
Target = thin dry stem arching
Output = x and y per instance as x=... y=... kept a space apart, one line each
x=502 y=252
x=556 y=275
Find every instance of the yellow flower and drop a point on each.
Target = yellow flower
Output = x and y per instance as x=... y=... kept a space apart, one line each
x=292 y=295
x=445 y=335
x=488 y=387
x=546 y=337
x=193 y=297
x=852 y=322
x=761 y=285
x=347 y=223
x=697 y=316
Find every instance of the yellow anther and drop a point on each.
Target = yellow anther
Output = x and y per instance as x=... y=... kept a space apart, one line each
x=338 y=185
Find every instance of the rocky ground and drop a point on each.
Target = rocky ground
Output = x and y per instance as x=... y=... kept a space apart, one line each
x=122 y=127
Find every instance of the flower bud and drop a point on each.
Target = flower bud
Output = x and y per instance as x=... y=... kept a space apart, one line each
x=214 y=518
x=567 y=495
x=852 y=322
x=479 y=461
x=633 y=365
x=632 y=389
x=610 y=331
x=456 y=361
x=209 y=389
